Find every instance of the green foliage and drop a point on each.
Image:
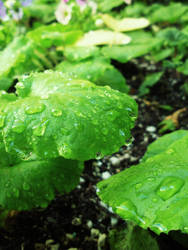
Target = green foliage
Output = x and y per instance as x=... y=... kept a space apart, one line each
x=153 y=194
x=51 y=118
x=131 y=238
x=97 y=69
x=34 y=183
x=171 y=13
x=148 y=82
x=19 y=57
x=124 y=54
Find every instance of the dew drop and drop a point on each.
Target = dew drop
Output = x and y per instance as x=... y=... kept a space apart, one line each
x=159 y=228
x=18 y=127
x=38 y=108
x=40 y=129
x=138 y=186
x=169 y=187
x=56 y=112
x=127 y=210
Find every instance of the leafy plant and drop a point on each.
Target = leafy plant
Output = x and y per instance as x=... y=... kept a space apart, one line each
x=52 y=123
x=153 y=194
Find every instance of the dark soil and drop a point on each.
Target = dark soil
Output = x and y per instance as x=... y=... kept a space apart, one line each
x=79 y=220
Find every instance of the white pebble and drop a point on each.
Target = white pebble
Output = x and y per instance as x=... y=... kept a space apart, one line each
x=106 y=175
x=151 y=129
x=115 y=161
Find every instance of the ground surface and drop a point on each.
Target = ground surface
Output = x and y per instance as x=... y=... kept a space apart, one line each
x=79 y=220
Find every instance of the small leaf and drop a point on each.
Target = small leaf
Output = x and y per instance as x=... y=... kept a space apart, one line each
x=125 y=24
x=132 y=237
x=101 y=37
x=149 y=81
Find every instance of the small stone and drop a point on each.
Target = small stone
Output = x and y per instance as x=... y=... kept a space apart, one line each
x=95 y=232
x=115 y=161
x=105 y=175
x=70 y=236
x=101 y=241
x=76 y=221
x=114 y=221
x=132 y=159
x=89 y=224
x=150 y=129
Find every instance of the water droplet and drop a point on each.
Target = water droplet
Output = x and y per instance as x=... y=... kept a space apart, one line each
x=18 y=126
x=138 y=186
x=170 y=151
x=33 y=109
x=40 y=129
x=159 y=228
x=121 y=132
x=150 y=179
x=169 y=187
x=56 y=112
x=2 y=120
x=154 y=200
x=64 y=150
x=127 y=210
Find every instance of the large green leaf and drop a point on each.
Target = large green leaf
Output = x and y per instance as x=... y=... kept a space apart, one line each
x=98 y=70
x=32 y=184
x=75 y=119
x=54 y=35
x=171 y=13
x=154 y=193
x=125 y=53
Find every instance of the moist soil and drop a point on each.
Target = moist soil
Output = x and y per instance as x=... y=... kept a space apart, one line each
x=79 y=220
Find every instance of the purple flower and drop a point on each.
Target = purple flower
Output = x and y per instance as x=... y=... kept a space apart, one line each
x=81 y=2
x=26 y=2
x=2 y=10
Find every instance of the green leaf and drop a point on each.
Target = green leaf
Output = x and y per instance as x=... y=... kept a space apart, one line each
x=17 y=58
x=101 y=37
x=54 y=35
x=184 y=68
x=171 y=13
x=98 y=70
x=106 y=5
x=161 y=55
x=125 y=24
x=33 y=184
x=133 y=238
x=74 y=119
x=153 y=194
x=162 y=143
x=124 y=54
x=149 y=81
